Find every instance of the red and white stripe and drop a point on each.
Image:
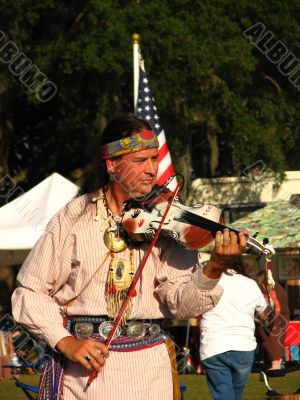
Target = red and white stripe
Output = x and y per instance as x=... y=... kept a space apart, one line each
x=166 y=169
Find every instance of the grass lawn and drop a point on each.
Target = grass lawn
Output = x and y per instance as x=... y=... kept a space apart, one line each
x=9 y=391
x=196 y=387
x=255 y=389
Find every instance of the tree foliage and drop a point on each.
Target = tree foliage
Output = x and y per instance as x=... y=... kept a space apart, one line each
x=222 y=103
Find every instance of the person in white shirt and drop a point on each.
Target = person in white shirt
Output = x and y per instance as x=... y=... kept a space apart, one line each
x=227 y=340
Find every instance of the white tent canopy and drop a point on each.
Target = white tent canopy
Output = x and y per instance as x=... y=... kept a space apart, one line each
x=23 y=220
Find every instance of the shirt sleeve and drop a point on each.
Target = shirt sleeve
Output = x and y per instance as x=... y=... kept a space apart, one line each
x=44 y=271
x=182 y=285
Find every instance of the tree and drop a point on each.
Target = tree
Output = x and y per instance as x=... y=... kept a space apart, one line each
x=222 y=103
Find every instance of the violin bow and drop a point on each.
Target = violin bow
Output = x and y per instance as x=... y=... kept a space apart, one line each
x=136 y=278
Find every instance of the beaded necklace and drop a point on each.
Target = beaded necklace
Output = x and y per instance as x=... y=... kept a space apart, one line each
x=121 y=270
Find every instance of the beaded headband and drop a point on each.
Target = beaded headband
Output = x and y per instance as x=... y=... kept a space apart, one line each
x=145 y=139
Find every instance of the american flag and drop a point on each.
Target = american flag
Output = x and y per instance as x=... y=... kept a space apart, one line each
x=146 y=109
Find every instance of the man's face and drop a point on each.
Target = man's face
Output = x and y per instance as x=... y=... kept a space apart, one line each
x=135 y=173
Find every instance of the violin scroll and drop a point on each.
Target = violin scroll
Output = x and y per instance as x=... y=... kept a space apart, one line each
x=265 y=249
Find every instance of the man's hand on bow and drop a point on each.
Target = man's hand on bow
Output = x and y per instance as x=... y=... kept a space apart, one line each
x=87 y=352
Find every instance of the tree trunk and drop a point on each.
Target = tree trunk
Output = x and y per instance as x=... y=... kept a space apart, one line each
x=186 y=169
x=214 y=151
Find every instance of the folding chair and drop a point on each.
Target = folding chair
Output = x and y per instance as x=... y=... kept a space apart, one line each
x=274 y=395
x=182 y=390
x=26 y=388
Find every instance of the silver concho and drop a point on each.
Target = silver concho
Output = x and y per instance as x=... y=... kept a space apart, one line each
x=154 y=329
x=136 y=330
x=106 y=327
x=83 y=329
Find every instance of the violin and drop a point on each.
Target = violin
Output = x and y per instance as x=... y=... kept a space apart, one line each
x=192 y=227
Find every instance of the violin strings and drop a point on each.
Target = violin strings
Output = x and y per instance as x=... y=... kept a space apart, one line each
x=202 y=222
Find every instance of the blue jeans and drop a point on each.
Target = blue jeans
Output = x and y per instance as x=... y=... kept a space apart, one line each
x=227 y=374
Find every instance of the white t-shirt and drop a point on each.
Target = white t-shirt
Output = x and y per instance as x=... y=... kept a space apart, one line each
x=230 y=325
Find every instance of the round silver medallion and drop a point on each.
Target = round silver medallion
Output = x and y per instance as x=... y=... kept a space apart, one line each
x=136 y=330
x=154 y=329
x=83 y=329
x=106 y=327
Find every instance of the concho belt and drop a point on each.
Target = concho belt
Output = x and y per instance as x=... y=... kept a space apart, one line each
x=137 y=334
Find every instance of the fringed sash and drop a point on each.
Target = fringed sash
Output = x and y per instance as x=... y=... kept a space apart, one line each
x=51 y=382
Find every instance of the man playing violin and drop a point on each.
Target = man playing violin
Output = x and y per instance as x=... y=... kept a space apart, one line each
x=77 y=276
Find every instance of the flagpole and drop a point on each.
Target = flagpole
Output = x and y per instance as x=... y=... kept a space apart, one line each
x=135 y=38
